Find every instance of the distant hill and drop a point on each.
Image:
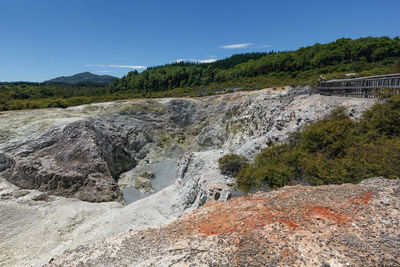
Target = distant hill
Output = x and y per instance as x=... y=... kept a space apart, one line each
x=83 y=77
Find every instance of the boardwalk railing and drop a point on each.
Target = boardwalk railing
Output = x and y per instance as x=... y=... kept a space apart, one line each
x=372 y=86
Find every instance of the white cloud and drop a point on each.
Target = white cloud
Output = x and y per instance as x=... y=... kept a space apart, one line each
x=116 y=66
x=210 y=60
x=263 y=46
x=96 y=65
x=236 y=46
x=244 y=45
x=128 y=66
x=103 y=71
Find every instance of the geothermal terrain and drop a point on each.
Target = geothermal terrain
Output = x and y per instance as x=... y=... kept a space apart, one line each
x=136 y=183
x=345 y=225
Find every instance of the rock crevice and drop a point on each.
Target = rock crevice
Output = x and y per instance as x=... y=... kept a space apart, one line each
x=83 y=157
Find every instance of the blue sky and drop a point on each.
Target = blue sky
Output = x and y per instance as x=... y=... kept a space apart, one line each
x=43 y=39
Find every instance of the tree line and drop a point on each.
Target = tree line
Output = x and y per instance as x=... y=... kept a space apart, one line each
x=366 y=56
x=356 y=54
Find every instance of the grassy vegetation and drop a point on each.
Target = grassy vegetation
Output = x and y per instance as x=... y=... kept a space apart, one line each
x=334 y=150
x=365 y=56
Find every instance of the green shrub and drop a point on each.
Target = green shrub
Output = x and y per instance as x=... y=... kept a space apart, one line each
x=382 y=119
x=231 y=164
x=274 y=166
x=255 y=178
x=334 y=150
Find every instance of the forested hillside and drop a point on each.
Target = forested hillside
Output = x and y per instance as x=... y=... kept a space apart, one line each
x=365 y=56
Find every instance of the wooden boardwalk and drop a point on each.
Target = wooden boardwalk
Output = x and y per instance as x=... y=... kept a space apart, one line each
x=372 y=86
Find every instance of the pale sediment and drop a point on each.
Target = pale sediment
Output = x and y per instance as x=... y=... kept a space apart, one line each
x=80 y=153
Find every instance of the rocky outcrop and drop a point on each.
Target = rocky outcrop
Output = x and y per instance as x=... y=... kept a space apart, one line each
x=212 y=136
x=143 y=182
x=81 y=160
x=82 y=151
x=71 y=161
x=200 y=180
x=336 y=225
x=181 y=112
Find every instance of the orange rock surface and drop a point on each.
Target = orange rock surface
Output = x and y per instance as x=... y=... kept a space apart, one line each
x=335 y=225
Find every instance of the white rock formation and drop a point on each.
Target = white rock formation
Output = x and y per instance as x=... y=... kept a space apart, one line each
x=35 y=226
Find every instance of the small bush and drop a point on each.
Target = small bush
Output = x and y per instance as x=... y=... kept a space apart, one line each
x=274 y=167
x=231 y=164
